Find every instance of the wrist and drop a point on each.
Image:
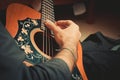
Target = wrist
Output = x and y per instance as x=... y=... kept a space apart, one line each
x=69 y=43
x=68 y=57
x=72 y=52
x=70 y=46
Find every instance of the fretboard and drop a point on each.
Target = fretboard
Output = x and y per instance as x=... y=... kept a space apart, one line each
x=47 y=12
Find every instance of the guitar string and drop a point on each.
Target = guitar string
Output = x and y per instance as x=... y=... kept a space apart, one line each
x=43 y=28
x=51 y=11
x=47 y=13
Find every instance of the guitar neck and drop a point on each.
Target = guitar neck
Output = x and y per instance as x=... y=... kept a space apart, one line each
x=47 y=11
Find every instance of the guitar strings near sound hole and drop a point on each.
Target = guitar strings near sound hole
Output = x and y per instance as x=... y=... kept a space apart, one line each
x=50 y=47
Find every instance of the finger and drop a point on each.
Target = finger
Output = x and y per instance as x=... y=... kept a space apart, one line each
x=51 y=26
x=64 y=22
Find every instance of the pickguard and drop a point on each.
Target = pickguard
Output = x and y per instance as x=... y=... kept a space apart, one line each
x=25 y=40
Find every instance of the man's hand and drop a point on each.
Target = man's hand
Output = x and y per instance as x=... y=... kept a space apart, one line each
x=66 y=32
x=67 y=35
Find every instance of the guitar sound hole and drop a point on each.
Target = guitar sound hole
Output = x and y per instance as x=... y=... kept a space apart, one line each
x=47 y=44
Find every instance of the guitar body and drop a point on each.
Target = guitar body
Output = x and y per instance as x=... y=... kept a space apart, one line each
x=23 y=23
x=17 y=12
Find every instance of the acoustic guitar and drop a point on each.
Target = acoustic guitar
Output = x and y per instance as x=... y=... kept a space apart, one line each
x=27 y=28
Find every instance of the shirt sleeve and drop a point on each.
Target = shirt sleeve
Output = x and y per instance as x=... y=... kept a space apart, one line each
x=55 y=69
